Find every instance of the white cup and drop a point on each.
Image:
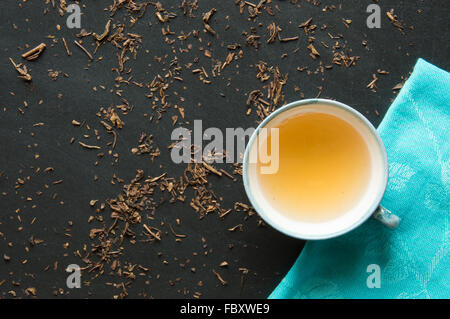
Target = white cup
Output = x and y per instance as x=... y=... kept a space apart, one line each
x=366 y=206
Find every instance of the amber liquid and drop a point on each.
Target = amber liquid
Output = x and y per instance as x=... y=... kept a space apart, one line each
x=324 y=168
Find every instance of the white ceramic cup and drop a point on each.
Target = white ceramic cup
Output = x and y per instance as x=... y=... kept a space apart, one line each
x=369 y=203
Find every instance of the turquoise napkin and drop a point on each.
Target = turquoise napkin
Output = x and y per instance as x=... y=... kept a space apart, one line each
x=411 y=261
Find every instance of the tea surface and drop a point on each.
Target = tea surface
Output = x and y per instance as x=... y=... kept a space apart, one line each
x=324 y=168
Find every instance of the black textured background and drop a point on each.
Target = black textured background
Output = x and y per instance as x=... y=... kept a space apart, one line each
x=266 y=253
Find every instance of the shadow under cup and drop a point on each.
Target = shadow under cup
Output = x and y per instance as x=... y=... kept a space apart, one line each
x=362 y=208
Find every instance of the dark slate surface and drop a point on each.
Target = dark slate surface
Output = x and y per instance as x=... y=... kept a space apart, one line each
x=266 y=253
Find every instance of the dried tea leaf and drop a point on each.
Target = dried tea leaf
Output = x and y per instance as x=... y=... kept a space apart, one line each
x=34 y=53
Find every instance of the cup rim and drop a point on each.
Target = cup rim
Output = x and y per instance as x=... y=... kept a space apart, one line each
x=262 y=213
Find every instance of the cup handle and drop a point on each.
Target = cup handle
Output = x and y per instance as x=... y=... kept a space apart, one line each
x=386 y=217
